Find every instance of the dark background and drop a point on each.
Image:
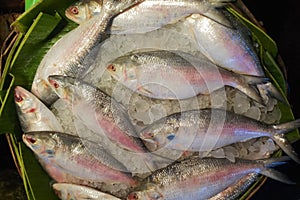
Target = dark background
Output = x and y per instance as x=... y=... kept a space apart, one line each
x=281 y=20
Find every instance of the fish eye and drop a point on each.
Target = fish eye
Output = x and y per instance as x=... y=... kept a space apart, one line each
x=32 y=140
x=55 y=84
x=133 y=196
x=74 y=10
x=149 y=135
x=18 y=98
x=111 y=67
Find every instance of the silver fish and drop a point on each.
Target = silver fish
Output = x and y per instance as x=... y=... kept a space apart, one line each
x=208 y=129
x=103 y=115
x=66 y=159
x=68 y=191
x=33 y=114
x=176 y=75
x=234 y=191
x=228 y=47
x=199 y=179
x=148 y=15
x=66 y=55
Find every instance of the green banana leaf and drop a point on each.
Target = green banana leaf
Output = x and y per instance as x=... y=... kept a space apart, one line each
x=39 y=28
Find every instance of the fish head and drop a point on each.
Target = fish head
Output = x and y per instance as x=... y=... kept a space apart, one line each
x=25 y=101
x=62 y=85
x=83 y=11
x=42 y=90
x=43 y=144
x=155 y=137
x=123 y=69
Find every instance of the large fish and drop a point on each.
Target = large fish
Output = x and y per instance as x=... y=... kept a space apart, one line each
x=148 y=15
x=199 y=179
x=164 y=74
x=33 y=114
x=207 y=129
x=66 y=159
x=65 y=57
x=103 y=115
x=68 y=191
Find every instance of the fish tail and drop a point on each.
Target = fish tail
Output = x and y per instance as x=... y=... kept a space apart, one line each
x=282 y=142
x=272 y=173
x=270 y=90
x=245 y=83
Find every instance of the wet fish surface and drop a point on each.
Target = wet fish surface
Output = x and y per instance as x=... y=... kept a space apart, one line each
x=66 y=159
x=165 y=74
x=68 y=191
x=207 y=129
x=228 y=47
x=66 y=55
x=107 y=118
x=147 y=16
x=32 y=113
x=198 y=178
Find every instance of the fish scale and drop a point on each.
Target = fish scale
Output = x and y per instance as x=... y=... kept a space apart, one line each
x=198 y=178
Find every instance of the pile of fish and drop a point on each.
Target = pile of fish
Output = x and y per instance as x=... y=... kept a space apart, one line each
x=154 y=99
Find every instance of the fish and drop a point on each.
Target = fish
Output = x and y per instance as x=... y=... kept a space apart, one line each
x=106 y=117
x=65 y=159
x=228 y=47
x=203 y=130
x=65 y=57
x=147 y=16
x=68 y=191
x=237 y=189
x=197 y=178
x=165 y=74
x=33 y=114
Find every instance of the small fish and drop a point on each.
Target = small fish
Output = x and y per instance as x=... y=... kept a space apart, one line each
x=66 y=159
x=198 y=178
x=230 y=48
x=33 y=114
x=148 y=15
x=103 y=115
x=208 y=129
x=237 y=189
x=164 y=74
x=68 y=191
x=65 y=57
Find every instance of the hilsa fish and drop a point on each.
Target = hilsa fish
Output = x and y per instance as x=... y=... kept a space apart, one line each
x=106 y=117
x=68 y=191
x=147 y=16
x=65 y=57
x=165 y=74
x=207 y=129
x=65 y=159
x=33 y=114
x=228 y=47
x=197 y=178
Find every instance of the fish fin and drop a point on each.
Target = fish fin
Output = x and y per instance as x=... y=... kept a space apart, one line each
x=246 y=86
x=282 y=142
x=270 y=90
x=276 y=175
x=217 y=17
x=145 y=91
